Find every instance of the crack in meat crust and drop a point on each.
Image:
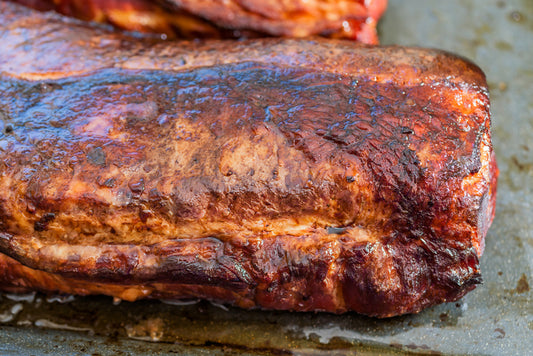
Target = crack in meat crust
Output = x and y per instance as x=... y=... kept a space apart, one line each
x=283 y=174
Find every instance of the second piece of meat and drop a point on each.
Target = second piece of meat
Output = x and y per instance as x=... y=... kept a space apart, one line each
x=353 y=19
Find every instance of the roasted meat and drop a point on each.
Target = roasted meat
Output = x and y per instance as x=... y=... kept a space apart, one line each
x=281 y=174
x=146 y=16
x=354 y=19
x=293 y=18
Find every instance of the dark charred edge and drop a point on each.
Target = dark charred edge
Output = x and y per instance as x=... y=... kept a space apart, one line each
x=426 y=278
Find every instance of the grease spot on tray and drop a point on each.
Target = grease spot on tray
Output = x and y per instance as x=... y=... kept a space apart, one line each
x=504 y=46
x=522 y=286
x=500 y=333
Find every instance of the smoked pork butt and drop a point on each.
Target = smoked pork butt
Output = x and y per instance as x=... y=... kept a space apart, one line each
x=282 y=174
x=353 y=19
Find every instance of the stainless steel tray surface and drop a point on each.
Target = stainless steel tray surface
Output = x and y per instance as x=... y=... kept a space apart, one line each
x=495 y=319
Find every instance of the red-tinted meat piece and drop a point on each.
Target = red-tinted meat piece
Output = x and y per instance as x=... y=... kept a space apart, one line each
x=353 y=19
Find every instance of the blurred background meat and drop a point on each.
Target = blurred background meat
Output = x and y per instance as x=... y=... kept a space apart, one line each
x=352 y=19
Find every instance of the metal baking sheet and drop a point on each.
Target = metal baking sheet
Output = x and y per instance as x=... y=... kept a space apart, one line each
x=495 y=319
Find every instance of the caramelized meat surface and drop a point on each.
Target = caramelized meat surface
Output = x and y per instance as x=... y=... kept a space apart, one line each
x=281 y=174
x=353 y=19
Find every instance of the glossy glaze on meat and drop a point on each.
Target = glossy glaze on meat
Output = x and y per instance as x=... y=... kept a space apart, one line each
x=281 y=174
x=353 y=19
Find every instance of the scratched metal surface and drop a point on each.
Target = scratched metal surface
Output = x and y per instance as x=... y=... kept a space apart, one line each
x=495 y=319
